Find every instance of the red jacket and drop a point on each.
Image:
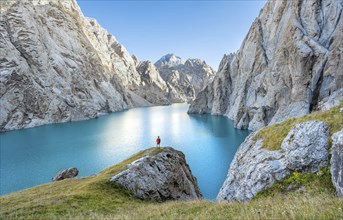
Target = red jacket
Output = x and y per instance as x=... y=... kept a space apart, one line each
x=158 y=140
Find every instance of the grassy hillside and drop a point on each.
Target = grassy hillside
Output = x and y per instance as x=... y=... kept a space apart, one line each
x=299 y=196
x=273 y=135
x=97 y=198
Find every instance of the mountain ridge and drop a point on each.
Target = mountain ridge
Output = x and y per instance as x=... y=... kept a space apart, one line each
x=69 y=66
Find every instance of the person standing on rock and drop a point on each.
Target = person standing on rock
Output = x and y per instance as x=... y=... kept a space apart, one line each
x=158 y=141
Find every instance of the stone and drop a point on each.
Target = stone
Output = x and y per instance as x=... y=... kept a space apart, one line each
x=160 y=177
x=336 y=162
x=331 y=101
x=306 y=146
x=288 y=64
x=253 y=169
x=67 y=173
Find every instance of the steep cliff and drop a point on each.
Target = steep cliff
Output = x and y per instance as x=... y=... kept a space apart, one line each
x=289 y=63
x=56 y=65
x=187 y=78
x=214 y=98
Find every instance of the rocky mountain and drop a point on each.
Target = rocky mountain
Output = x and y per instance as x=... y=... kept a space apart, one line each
x=188 y=77
x=169 y=60
x=289 y=64
x=57 y=65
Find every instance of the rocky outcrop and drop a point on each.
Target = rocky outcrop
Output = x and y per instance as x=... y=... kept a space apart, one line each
x=289 y=62
x=305 y=149
x=187 y=78
x=57 y=66
x=160 y=177
x=67 y=173
x=336 y=162
x=331 y=101
x=214 y=98
x=306 y=146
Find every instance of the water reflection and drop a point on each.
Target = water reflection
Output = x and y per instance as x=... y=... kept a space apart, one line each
x=218 y=126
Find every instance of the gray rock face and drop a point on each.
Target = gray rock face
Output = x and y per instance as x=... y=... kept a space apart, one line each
x=160 y=177
x=306 y=146
x=331 y=101
x=289 y=62
x=336 y=163
x=152 y=88
x=67 y=173
x=254 y=168
x=214 y=98
x=49 y=70
x=188 y=78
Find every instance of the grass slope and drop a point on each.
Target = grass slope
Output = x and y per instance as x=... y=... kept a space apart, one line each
x=97 y=198
x=273 y=135
x=299 y=196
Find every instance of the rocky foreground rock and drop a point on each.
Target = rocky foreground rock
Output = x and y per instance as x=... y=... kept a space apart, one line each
x=336 y=162
x=65 y=174
x=160 y=177
x=289 y=64
x=253 y=169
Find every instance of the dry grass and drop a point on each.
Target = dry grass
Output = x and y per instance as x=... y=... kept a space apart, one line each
x=97 y=198
x=273 y=135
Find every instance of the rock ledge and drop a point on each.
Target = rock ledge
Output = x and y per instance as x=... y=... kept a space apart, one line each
x=160 y=177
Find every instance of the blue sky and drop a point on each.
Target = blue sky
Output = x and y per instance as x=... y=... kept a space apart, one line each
x=189 y=29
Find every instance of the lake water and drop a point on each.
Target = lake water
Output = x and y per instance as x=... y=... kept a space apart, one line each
x=33 y=156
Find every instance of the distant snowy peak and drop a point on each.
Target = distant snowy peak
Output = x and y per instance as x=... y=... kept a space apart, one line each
x=169 y=60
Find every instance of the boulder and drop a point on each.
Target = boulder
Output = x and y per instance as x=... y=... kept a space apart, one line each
x=336 y=163
x=160 y=177
x=254 y=168
x=67 y=173
x=306 y=146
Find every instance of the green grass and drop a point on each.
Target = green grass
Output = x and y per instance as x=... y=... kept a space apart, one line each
x=319 y=182
x=73 y=196
x=97 y=198
x=273 y=135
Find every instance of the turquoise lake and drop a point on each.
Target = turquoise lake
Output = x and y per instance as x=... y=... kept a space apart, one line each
x=30 y=157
